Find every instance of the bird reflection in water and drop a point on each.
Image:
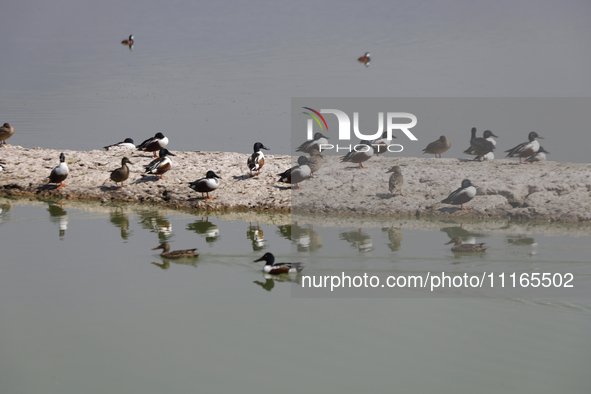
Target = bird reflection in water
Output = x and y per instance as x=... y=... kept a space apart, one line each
x=256 y=236
x=166 y=263
x=523 y=240
x=468 y=237
x=154 y=221
x=270 y=280
x=5 y=208
x=395 y=238
x=358 y=239
x=120 y=220
x=57 y=214
x=206 y=228
x=305 y=238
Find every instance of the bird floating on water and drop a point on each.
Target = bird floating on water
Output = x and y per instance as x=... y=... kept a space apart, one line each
x=365 y=59
x=175 y=254
x=273 y=268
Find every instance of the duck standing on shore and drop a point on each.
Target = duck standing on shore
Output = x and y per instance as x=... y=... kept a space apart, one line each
x=297 y=174
x=466 y=248
x=127 y=143
x=359 y=156
x=6 y=131
x=487 y=135
x=206 y=185
x=256 y=161
x=60 y=173
x=480 y=146
x=175 y=254
x=526 y=149
x=462 y=195
x=160 y=165
x=273 y=268
x=438 y=147
x=121 y=174
x=154 y=144
x=381 y=144
x=319 y=139
x=365 y=59
x=539 y=156
x=396 y=181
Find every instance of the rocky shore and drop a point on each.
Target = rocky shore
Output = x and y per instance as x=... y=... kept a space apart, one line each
x=545 y=191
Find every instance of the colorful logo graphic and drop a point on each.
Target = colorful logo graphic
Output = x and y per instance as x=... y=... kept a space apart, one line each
x=316 y=119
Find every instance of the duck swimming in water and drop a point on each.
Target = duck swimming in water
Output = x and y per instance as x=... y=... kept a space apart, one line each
x=273 y=268
x=175 y=254
x=365 y=59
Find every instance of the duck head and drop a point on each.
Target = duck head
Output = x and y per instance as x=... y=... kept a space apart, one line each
x=258 y=146
x=466 y=183
x=533 y=135
x=211 y=174
x=268 y=257
x=164 y=152
x=488 y=134
x=395 y=169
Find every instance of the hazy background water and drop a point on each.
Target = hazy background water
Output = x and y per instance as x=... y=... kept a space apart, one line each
x=220 y=75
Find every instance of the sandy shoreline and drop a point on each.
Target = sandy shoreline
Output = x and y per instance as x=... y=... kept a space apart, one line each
x=546 y=191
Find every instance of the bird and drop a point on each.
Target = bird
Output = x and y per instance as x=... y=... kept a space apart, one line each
x=317 y=161
x=396 y=181
x=526 y=149
x=206 y=185
x=538 y=156
x=460 y=247
x=6 y=131
x=462 y=195
x=438 y=147
x=359 y=156
x=487 y=135
x=161 y=164
x=154 y=144
x=128 y=41
x=365 y=59
x=121 y=174
x=488 y=157
x=127 y=143
x=481 y=146
x=297 y=174
x=380 y=145
x=256 y=161
x=273 y=268
x=60 y=173
x=319 y=139
x=175 y=254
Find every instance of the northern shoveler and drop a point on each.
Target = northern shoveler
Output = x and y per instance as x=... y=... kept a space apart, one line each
x=297 y=174
x=539 y=156
x=487 y=135
x=526 y=149
x=60 y=173
x=319 y=139
x=160 y=165
x=6 y=131
x=396 y=181
x=462 y=195
x=273 y=268
x=121 y=174
x=127 y=143
x=206 y=185
x=317 y=161
x=154 y=144
x=256 y=161
x=438 y=147
x=175 y=254
x=380 y=145
x=129 y=41
x=365 y=59
x=359 y=156
x=481 y=146
x=470 y=248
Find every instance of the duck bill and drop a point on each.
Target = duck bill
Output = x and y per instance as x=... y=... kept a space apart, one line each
x=450 y=242
x=264 y=147
x=257 y=260
x=540 y=138
x=157 y=247
x=170 y=154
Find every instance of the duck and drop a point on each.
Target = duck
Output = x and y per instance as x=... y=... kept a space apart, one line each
x=488 y=157
x=206 y=185
x=462 y=195
x=6 y=131
x=460 y=247
x=297 y=174
x=128 y=41
x=396 y=181
x=154 y=144
x=319 y=139
x=273 y=268
x=317 y=161
x=60 y=173
x=161 y=164
x=121 y=174
x=481 y=146
x=127 y=143
x=175 y=254
x=487 y=135
x=526 y=149
x=365 y=59
x=438 y=147
x=359 y=157
x=380 y=145
x=538 y=156
x=256 y=161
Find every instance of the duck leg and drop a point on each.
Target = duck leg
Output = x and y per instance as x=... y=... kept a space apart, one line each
x=360 y=166
x=62 y=185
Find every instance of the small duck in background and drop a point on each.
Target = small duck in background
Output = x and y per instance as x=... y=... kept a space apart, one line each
x=256 y=161
x=319 y=139
x=160 y=165
x=121 y=174
x=526 y=149
x=462 y=195
x=359 y=157
x=297 y=174
x=381 y=144
x=539 y=156
x=396 y=181
x=129 y=42
x=154 y=144
x=365 y=59
x=273 y=268
x=6 y=131
x=438 y=147
x=480 y=146
x=316 y=163
x=127 y=143
x=60 y=173
x=487 y=135
x=469 y=248
x=206 y=185
x=175 y=254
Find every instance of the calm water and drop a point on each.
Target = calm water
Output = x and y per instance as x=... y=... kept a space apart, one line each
x=88 y=307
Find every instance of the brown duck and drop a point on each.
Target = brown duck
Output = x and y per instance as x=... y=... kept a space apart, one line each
x=460 y=247
x=121 y=174
x=6 y=131
x=396 y=181
x=438 y=147
x=175 y=254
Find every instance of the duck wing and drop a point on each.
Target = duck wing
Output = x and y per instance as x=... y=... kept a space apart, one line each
x=145 y=144
x=452 y=196
x=517 y=149
x=154 y=164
